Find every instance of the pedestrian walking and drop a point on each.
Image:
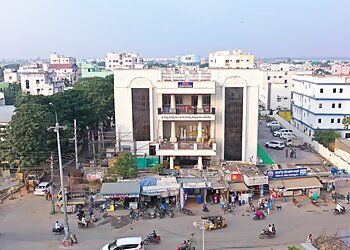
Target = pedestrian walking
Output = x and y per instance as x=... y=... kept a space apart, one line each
x=268 y=207
x=287 y=152
x=291 y=153
x=309 y=238
x=348 y=198
x=239 y=200
x=295 y=153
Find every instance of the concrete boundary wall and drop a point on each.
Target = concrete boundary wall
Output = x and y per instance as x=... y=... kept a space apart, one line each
x=324 y=152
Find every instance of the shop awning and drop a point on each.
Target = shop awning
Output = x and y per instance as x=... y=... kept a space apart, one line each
x=219 y=185
x=302 y=183
x=275 y=184
x=120 y=188
x=238 y=187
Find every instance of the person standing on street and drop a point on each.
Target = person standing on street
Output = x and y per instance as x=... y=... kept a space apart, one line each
x=348 y=198
x=309 y=238
x=287 y=152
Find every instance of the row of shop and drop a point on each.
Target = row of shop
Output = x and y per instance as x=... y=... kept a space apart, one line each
x=240 y=182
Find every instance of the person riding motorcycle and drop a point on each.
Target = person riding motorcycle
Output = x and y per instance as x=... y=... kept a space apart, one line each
x=83 y=221
x=339 y=207
x=259 y=214
x=205 y=208
x=58 y=225
x=153 y=234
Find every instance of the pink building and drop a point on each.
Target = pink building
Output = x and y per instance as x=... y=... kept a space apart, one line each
x=341 y=69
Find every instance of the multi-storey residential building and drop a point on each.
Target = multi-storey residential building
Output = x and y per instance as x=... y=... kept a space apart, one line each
x=276 y=87
x=123 y=60
x=188 y=118
x=236 y=60
x=340 y=69
x=10 y=76
x=68 y=73
x=320 y=102
x=60 y=59
x=37 y=81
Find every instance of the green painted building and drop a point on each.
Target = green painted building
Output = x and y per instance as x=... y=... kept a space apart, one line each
x=93 y=70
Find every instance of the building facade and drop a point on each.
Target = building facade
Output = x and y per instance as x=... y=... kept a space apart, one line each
x=190 y=60
x=340 y=69
x=10 y=76
x=68 y=73
x=188 y=118
x=61 y=59
x=236 y=60
x=320 y=102
x=123 y=60
x=93 y=70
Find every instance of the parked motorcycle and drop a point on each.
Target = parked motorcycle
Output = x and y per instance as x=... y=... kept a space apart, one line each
x=170 y=213
x=256 y=217
x=89 y=224
x=161 y=213
x=151 y=239
x=267 y=234
x=228 y=208
x=252 y=207
x=315 y=202
x=186 y=211
x=336 y=211
x=58 y=231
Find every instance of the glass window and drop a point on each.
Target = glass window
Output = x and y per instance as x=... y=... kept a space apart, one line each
x=332 y=120
x=340 y=90
x=320 y=105
x=333 y=105
x=141 y=114
x=338 y=120
x=206 y=100
x=319 y=120
x=321 y=90
x=339 y=105
x=334 y=90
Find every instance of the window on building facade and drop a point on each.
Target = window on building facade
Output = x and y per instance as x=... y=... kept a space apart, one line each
x=141 y=114
x=279 y=99
x=320 y=105
x=333 y=105
x=319 y=120
x=339 y=105
x=178 y=99
x=269 y=77
x=285 y=81
x=332 y=120
x=27 y=84
x=334 y=90
x=340 y=90
x=338 y=120
x=321 y=90
x=206 y=100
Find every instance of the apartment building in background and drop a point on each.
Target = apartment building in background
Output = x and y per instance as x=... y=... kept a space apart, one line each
x=188 y=60
x=236 y=60
x=320 y=102
x=340 y=69
x=10 y=75
x=189 y=118
x=68 y=73
x=129 y=60
x=61 y=59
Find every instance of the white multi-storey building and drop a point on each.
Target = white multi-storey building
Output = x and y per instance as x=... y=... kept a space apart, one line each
x=236 y=60
x=60 y=59
x=123 y=60
x=36 y=81
x=189 y=60
x=320 y=102
x=10 y=76
x=188 y=118
x=65 y=72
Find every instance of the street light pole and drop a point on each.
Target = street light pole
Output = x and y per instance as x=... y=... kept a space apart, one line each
x=76 y=145
x=52 y=188
x=56 y=129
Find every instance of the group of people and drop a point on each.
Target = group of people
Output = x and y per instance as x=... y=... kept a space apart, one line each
x=271 y=229
x=265 y=204
x=291 y=152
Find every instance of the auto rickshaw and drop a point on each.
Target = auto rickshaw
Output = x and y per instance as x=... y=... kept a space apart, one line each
x=215 y=222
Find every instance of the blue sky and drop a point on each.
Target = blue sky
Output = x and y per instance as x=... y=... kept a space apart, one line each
x=161 y=28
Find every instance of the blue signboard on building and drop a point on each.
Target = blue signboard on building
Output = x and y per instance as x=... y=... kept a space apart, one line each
x=285 y=173
x=185 y=84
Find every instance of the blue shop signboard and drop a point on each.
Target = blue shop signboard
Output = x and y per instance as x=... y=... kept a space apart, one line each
x=285 y=173
x=185 y=84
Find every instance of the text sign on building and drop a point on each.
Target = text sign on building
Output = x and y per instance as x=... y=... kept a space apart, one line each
x=188 y=117
x=185 y=84
x=286 y=173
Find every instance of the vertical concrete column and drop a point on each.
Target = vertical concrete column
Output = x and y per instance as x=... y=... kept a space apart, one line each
x=173 y=132
x=200 y=102
x=172 y=102
x=199 y=131
x=200 y=162
x=212 y=130
x=171 y=162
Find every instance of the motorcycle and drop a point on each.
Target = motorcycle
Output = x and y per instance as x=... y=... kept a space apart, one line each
x=296 y=203
x=267 y=234
x=170 y=213
x=186 y=246
x=58 y=231
x=186 y=211
x=134 y=215
x=336 y=211
x=151 y=239
x=161 y=213
x=205 y=208
x=89 y=224
x=315 y=202
x=256 y=217
x=228 y=208
x=252 y=207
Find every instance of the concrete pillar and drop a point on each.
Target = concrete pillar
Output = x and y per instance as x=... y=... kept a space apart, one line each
x=200 y=102
x=171 y=162
x=200 y=162
x=182 y=200
x=199 y=131
x=212 y=130
x=172 y=102
x=173 y=132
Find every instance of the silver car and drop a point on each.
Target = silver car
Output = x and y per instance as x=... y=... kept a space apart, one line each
x=275 y=144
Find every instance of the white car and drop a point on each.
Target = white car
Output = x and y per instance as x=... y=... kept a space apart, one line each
x=275 y=144
x=279 y=132
x=42 y=188
x=131 y=243
x=273 y=123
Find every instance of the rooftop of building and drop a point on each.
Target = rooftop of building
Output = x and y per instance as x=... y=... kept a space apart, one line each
x=6 y=113
x=63 y=66
x=318 y=78
x=249 y=170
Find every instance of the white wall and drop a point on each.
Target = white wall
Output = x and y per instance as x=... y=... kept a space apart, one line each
x=10 y=76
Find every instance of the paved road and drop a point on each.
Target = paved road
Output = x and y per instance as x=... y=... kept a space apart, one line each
x=279 y=156
x=25 y=223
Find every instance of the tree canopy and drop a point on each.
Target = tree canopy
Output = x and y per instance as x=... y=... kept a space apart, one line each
x=125 y=166
x=346 y=121
x=325 y=137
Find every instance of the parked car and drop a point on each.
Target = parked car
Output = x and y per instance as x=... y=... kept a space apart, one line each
x=42 y=188
x=275 y=144
x=279 y=132
x=273 y=123
x=130 y=243
x=293 y=142
x=286 y=135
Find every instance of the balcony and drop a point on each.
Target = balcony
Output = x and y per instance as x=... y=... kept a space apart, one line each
x=186 y=148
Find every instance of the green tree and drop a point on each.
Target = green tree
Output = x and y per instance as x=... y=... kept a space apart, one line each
x=125 y=166
x=158 y=168
x=325 y=137
x=346 y=121
x=11 y=93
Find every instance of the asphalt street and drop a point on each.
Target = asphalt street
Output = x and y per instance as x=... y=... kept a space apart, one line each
x=25 y=223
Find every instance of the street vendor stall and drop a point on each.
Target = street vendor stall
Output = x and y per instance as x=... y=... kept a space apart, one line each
x=123 y=193
x=301 y=186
